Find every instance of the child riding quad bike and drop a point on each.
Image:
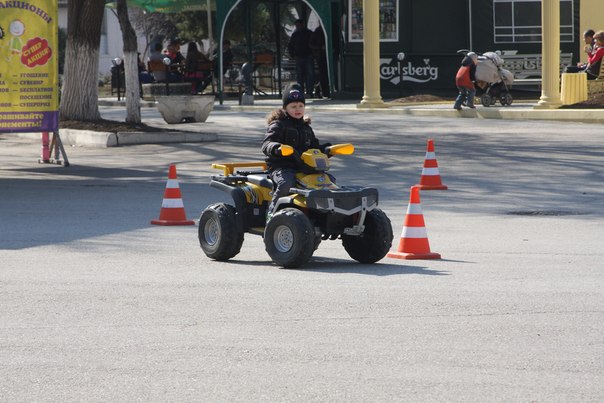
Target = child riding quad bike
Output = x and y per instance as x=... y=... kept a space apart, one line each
x=316 y=209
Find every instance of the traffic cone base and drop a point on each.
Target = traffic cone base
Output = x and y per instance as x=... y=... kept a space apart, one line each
x=172 y=222
x=411 y=256
x=414 y=238
x=430 y=178
x=172 y=207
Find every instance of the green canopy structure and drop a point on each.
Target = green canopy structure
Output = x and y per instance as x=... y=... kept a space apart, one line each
x=321 y=7
x=224 y=8
x=168 y=6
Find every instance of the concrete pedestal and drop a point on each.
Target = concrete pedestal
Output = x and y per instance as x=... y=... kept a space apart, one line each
x=193 y=108
x=574 y=88
x=247 y=99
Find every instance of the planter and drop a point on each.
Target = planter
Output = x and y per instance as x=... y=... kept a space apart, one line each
x=191 y=108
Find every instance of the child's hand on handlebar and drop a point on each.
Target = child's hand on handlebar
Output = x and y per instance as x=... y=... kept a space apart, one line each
x=285 y=150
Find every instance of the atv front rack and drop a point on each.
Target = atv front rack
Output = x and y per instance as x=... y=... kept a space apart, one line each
x=345 y=200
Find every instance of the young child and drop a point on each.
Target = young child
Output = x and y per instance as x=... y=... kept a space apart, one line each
x=464 y=80
x=287 y=126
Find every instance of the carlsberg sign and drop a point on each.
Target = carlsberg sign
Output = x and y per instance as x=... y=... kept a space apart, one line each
x=412 y=71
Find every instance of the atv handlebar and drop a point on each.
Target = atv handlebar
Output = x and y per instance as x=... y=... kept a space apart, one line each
x=336 y=149
x=341 y=149
x=286 y=150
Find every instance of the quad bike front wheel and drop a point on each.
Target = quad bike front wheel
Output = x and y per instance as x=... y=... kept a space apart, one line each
x=374 y=243
x=218 y=234
x=289 y=238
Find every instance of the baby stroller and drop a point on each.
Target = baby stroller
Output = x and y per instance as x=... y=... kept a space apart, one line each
x=492 y=81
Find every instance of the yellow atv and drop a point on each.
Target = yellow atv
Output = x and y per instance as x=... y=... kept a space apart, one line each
x=316 y=209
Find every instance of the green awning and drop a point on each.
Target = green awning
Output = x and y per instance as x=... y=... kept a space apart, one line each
x=169 y=6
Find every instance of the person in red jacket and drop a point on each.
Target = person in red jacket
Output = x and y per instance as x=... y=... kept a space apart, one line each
x=464 y=80
x=594 y=61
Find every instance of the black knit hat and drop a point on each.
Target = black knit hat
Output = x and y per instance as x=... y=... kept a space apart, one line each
x=293 y=93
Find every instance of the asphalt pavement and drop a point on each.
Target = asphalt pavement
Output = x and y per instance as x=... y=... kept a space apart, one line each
x=97 y=304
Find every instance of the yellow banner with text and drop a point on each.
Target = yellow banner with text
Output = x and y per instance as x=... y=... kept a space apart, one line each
x=29 y=92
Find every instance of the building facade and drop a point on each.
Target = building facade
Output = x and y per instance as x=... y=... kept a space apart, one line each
x=428 y=32
x=431 y=35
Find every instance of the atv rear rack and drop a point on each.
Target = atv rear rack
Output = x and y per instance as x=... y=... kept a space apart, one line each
x=229 y=168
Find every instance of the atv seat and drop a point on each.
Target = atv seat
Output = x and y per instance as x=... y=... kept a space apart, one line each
x=261 y=180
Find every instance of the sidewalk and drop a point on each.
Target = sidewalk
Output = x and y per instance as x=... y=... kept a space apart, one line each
x=189 y=132
x=522 y=110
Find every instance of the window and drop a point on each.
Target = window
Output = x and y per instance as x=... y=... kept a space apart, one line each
x=388 y=20
x=519 y=21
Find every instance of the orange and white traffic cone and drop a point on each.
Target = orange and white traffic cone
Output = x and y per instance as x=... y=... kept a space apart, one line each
x=172 y=208
x=414 y=239
x=430 y=179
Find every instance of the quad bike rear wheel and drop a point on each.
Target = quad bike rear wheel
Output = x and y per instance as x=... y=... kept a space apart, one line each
x=374 y=243
x=289 y=238
x=218 y=234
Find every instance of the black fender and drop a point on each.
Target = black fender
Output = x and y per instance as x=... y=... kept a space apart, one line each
x=285 y=201
x=240 y=201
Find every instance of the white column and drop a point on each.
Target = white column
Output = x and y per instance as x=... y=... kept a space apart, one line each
x=550 y=45
x=371 y=56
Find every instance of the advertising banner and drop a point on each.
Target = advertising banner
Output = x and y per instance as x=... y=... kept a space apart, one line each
x=29 y=96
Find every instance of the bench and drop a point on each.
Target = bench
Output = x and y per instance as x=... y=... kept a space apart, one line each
x=527 y=67
x=157 y=68
x=596 y=87
x=153 y=90
x=262 y=73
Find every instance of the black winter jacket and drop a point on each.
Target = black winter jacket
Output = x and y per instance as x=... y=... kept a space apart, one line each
x=299 y=44
x=287 y=130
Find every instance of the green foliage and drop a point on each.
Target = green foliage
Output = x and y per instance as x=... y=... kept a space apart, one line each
x=154 y=26
x=191 y=26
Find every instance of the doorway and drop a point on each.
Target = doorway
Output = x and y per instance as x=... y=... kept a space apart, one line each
x=259 y=32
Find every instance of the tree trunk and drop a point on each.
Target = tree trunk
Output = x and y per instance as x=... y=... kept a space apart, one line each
x=133 y=104
x=79 y=95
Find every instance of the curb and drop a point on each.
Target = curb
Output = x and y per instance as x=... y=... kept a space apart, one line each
x=89 y=138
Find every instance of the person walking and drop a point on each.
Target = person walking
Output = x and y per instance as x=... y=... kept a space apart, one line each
x=299 y=49
x=317 y=46
x=464 y=80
